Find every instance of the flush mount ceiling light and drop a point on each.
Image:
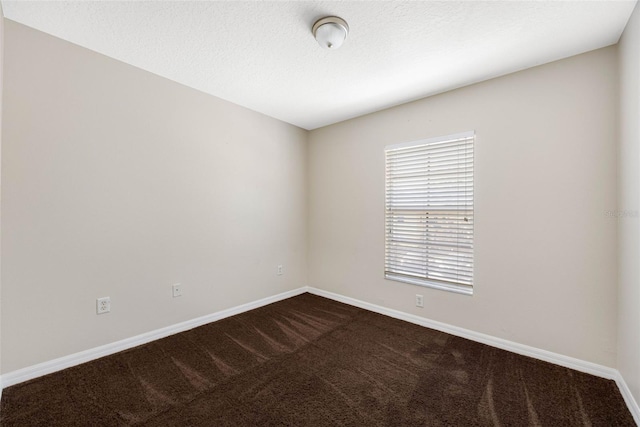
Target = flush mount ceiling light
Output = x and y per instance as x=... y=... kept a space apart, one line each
x=330 y=32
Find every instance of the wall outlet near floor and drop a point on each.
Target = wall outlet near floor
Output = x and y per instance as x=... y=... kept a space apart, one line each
x=419 y=301
x=280 y=270
x=177 y=290
x=103 y=305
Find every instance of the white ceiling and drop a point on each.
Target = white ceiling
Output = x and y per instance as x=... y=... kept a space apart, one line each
x=263 y=56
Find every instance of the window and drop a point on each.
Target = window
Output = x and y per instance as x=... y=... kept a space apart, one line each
x=429 y=212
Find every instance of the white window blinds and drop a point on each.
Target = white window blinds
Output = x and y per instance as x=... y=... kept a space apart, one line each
x=429 y=212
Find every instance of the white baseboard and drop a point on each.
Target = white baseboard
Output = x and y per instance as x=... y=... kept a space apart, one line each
x=547 y=356
x=30 y=372
x=631 y=402
x=525 y=350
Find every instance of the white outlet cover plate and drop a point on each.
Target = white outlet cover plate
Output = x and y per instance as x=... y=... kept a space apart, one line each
x=103 y=305
x=177 y=290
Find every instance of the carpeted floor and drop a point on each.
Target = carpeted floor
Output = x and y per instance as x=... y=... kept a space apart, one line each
x=310 y=361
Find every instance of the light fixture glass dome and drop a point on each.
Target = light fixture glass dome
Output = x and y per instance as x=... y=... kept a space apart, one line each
x=330 y=32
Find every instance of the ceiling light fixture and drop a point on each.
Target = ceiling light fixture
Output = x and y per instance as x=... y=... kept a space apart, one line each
x=330 y=32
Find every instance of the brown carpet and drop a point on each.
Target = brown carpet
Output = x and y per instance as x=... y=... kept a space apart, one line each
x=310 y=361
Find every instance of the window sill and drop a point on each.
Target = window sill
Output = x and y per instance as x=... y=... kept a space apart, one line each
x=459 y=289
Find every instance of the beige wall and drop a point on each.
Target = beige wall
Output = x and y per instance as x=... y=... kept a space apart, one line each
x=545 y=170
x=120 y=183
x=629 y=207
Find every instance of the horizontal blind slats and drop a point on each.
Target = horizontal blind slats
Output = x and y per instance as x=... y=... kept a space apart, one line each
x=442 y=190
x=442 y=150
x=459 y=267
x=433 y=231
x=426 y=161
x=429 y=211
x=427 y=177
x=452 y=158
x=456 y=281
x=421 y=253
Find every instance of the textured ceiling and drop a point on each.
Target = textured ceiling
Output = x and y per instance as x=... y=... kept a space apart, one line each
x=262 y=55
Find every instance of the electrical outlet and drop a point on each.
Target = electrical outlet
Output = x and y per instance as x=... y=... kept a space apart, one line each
x=419 y=301
x=103 y=305
x=280 y=270
x=177 y=290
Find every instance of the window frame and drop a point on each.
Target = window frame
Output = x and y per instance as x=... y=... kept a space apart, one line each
x=466 y=289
